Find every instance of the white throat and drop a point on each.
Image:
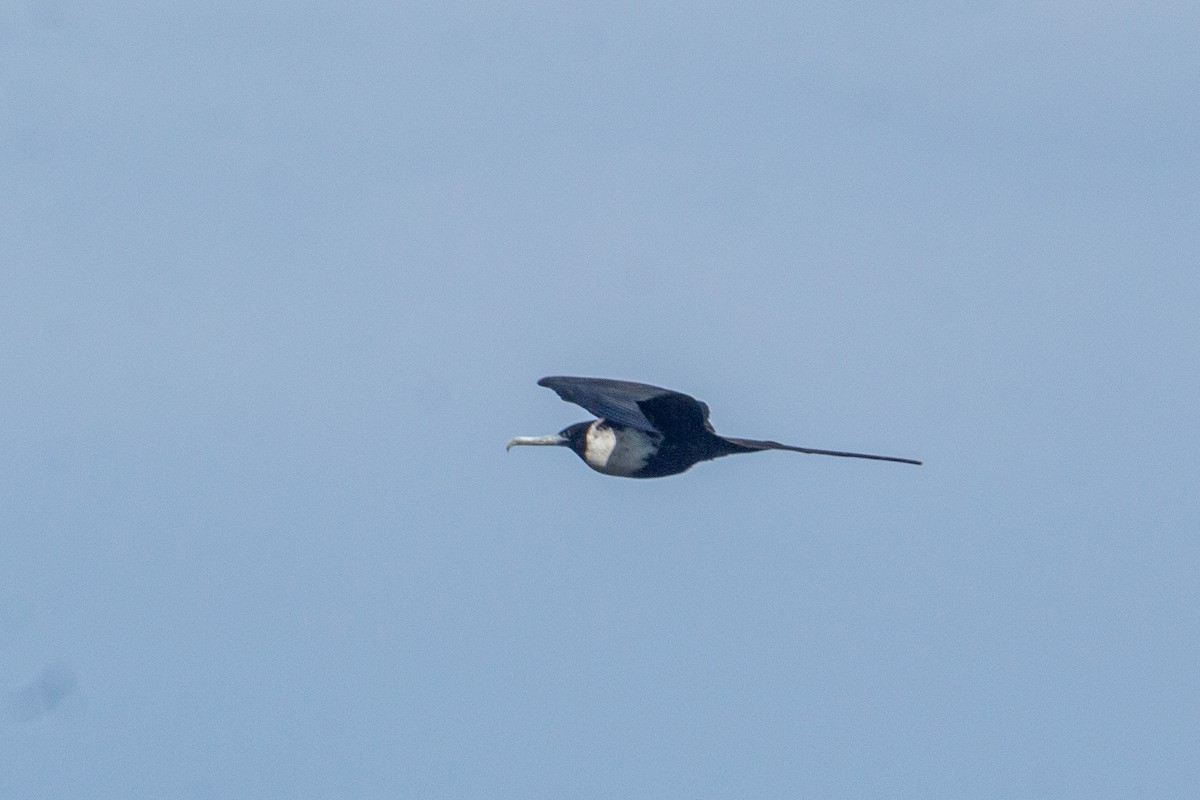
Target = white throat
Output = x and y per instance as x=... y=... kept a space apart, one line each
x=617 y=451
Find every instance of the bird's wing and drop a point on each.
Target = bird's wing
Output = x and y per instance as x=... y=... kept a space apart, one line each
x=635 y=405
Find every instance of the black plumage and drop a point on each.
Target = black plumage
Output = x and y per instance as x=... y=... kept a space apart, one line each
x=645 y=431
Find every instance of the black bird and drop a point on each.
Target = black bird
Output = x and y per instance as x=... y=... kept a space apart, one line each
x=645 y=431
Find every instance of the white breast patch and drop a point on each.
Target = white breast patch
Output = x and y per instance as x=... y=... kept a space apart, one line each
x=617 y=451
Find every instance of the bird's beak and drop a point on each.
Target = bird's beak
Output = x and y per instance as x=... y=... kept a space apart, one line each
x=550 y=440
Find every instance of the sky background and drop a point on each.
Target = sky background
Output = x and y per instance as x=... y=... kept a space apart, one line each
x=276 y=284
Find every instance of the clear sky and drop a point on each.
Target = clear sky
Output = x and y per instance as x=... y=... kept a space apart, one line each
x=276 y=284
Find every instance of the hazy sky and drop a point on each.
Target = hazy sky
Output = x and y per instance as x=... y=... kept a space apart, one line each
x=276 y=284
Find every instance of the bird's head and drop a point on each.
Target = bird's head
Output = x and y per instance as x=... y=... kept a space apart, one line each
x=573 y=436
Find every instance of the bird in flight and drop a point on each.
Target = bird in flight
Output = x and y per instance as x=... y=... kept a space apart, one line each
x=646 y=431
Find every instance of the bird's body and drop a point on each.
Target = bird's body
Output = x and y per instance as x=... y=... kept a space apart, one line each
x=645 y=431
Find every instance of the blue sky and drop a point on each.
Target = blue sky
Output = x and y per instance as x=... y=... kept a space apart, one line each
x=277 y=285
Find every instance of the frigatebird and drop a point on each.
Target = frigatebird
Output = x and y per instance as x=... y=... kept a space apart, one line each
x=645 y=431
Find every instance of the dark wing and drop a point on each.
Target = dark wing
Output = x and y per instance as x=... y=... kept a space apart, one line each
x=635 y=405
x=756 y=444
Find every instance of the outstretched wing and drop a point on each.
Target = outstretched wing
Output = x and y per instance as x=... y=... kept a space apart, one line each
x=636 y=405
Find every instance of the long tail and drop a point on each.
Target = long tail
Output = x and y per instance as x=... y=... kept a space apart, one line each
x=756 y=444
